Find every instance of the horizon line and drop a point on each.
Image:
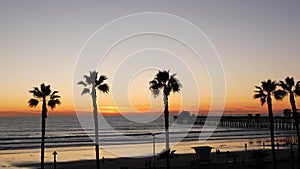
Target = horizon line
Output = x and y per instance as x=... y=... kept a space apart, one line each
x=12 y=113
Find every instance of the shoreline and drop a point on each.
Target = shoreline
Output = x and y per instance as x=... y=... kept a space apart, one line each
x=281 y=138
x=69 y=155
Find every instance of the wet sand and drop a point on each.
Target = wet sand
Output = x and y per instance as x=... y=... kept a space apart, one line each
x=83 y=157
x=11 y=158
x=240 y=159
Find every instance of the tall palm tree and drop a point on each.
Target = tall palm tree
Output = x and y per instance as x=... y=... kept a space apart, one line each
x=264 y=93
x=167 y=83
x=47 y=97
x=293 y=90
x=91 y=83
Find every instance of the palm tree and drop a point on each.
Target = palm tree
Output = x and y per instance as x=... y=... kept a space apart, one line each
x=168 y=83
x=293 y=90
x=90 y=84
x=47 y=97
x=264 y=93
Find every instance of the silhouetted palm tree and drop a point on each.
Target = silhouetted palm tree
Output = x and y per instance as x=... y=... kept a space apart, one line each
x=168 y=83
x=264 y=93
x=90 y=84
x=46 y=96
x=293 y=90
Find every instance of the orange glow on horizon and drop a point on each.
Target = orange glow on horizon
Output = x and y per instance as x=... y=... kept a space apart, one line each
x=233 y=106
x=111 y=110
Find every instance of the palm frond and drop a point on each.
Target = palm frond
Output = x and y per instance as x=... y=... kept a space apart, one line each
x=269 y=85
x=174 y=83
x=279 y=94
x=172 y=79
x=162 y=76
x=93 y=76
x=260 y=94
x=290 y=83
x=155 y=92
x=262 y=100
x=259 y=88
x=160 y=84
x=176 y=87
x=85 y=90
x=82 y=83
x=297 y=89
x=104 y=88
x=33 y=102
x=45 y=89
x=36 y=92
x=164 y=81
x=54 y=95
x=88 y=79
x=53 y=102
x=283 y=85
x=101 y=79
x=54 y=92
x=153 y=83
x=154 y=87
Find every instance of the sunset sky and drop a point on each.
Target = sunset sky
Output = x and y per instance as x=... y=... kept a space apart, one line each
x=42 y=42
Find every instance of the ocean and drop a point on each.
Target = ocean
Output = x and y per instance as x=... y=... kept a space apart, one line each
x=24 y=133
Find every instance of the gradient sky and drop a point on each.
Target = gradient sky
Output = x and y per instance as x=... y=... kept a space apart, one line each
x=40 y=42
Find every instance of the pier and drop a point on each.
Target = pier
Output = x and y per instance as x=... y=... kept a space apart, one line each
x=247 y=121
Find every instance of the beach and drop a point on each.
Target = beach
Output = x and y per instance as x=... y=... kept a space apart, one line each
x=83 y=157
x=131 y=146
x=240 y=159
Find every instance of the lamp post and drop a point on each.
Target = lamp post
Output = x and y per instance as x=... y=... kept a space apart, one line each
x=153 y=134
x=54 y=156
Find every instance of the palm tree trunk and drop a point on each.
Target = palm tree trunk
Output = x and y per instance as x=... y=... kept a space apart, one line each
x=166 y=115
x=271 y=120
x=295 y=115
x=95 y=113
x=44 y=116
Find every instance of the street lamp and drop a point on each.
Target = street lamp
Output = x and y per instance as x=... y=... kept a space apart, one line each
x=54 y=156
x=153 y=135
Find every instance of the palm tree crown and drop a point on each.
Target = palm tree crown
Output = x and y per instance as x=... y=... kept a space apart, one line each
x=93 y=81
x=268 y=88
x=42 y=94
x=289 y=86
x=166 y=82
